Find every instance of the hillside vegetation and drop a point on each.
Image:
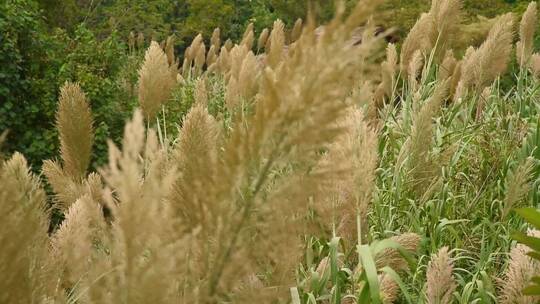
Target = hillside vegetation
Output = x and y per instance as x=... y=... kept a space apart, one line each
x=290 y=165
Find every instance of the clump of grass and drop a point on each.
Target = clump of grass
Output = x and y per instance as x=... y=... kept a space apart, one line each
x=291 y=167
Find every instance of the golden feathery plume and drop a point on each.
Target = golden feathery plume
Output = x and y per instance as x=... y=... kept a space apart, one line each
x=72 y=243
x=461 y=88
x=195 y=151
x=351 y=196
x=74 y=123
x=251 y=208
x=23 y=236
x=237 y=55
x=277 y=43
x=521 y=269
x=193 y=49
x=324 y=266
x=156 y=81
x=534 y=64
x=200 y=59
x=446 y=15
x=145 y=250
x=248 y=77
x=169 y=50
x=249 y=37
x=389 y=289
x=392 y=257
x=440 y=280
x=263 y=37
x=211 y=57
x=224 y=62
x=415 y=69
x=447 y=67
x=437 y=28
x=518 y=184
x=418 y=39
x=215 y=40
x=190 y=55
x=454 y=81
x=228 y=44
x=389 y=69
x=296 y=30
x=243 y=77
x=527 y=27
x=201 y=93
x=186 y=64
x=483 y=65
x=66 y=190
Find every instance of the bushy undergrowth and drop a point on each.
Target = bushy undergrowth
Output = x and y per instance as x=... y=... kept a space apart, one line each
x=314 y=169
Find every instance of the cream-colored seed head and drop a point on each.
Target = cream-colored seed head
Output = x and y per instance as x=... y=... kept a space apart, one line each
x=155 y=81
x=527 y=28
x=277 y=43
x=263 y=37
x=74 y=122
x=440 y=284
x=389 y=289
x=215 y=40
x=296 y=30
x=521 y=268
x=483 y=65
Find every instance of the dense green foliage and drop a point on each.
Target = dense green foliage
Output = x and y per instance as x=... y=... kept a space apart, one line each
x=28 y=70
x=47 y=42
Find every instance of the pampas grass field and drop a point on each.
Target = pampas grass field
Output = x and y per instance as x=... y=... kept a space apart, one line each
x=313 y=164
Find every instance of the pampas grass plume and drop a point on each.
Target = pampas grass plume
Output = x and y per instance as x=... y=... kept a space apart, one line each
x=296 y=30
x=215 y=39
x=527 y=28
x=74 y=122
x=418 y=39
x=483 y=65
x=156 y=81
x=248 y=37
x=263 y=37
x=277 y=43
x=517 y=184
x=440 y=281
x=520 y=271
x=392 y=258
x=389 y=289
